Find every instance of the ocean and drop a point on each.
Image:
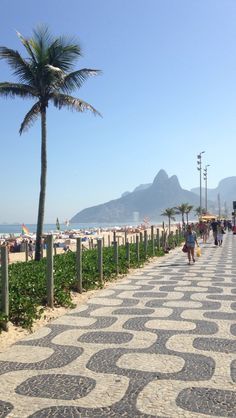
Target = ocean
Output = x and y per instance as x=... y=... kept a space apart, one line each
x=17 y=228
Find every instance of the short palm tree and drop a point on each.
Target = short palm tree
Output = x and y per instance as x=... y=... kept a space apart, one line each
x=46 y=75
x=169 y=212
x=198 y=211
x=181 y=209
x=188 y=210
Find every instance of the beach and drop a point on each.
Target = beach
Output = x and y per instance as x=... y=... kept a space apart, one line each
x=89 y=239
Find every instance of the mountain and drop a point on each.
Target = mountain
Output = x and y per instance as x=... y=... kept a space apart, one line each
x=148 y=201
x=142 y=187
x=226 y=190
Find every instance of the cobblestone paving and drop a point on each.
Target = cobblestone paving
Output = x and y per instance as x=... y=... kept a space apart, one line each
x=159 y=343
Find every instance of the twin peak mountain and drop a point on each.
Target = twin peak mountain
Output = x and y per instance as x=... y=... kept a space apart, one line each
x=147 y=200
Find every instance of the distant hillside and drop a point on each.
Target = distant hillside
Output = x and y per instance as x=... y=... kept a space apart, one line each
x=226 y=189
x=140 y=187
x=145 y=201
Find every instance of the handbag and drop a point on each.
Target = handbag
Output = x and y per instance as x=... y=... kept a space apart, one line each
x=185 y=248
x=198 y=251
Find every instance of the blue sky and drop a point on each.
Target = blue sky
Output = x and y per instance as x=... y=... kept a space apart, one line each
x=167 y=92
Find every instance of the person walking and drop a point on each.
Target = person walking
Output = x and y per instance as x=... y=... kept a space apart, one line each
x=220 y=232
x=190 y=241
x=203 y=229
x=214 y=226
x=31 y=249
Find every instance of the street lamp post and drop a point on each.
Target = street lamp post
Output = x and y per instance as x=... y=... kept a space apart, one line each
x=205 y=178
x=199 y=162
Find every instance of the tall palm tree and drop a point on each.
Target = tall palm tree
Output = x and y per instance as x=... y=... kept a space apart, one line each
x=46 y=75
x=188 y=210
x=169 y=212
x=181 y=209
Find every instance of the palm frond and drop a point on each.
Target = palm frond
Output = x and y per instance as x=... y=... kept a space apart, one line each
x=169 y=211
x=21 y=68
x=47 y=50
x=77 y=78
x=17 y=89
x=72 y=103
x=189 y=208
x=181 y=208
x=40 y=42
x=62 y=53
x=30 y=117
x=27 y=46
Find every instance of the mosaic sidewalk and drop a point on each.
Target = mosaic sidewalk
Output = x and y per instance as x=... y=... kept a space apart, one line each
x=160 y=343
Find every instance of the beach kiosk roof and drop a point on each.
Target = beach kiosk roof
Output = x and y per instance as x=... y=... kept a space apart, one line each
x=208 y=217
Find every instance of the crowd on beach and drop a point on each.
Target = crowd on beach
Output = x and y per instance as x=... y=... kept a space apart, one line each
x=63 y=240
x=67 y=240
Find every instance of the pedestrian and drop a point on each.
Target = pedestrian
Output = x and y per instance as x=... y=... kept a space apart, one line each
x=214 y=226
x=201 y=228
x=203 y=231
x=190 y=241
x=30 y=249
x=220 y=232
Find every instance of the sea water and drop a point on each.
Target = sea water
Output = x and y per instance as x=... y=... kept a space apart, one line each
x=16 y=229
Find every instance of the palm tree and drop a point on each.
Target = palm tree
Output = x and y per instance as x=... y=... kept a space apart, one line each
x=188 y=210
x=198 y=211
x=169 y=212
x=46 y=75
x=182 y=209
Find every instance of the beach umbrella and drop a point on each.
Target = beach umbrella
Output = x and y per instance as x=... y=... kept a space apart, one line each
x=24 y=230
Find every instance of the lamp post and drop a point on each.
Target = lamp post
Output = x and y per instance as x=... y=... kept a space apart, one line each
x=205 y=178
x=199 y=167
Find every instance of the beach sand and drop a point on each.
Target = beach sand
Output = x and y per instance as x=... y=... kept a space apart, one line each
x=106 y=235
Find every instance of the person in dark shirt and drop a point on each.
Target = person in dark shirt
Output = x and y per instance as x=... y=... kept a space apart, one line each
x=214 y=226
x=30 y=249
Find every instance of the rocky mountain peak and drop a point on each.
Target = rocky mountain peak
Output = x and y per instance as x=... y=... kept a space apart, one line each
x=160 y=178
x=146 y=200
x=174 y=182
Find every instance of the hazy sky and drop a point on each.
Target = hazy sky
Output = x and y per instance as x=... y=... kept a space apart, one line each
x=167 y=92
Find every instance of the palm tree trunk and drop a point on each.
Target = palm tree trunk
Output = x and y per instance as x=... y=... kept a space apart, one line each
x=169 y=225
x=42 y=186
